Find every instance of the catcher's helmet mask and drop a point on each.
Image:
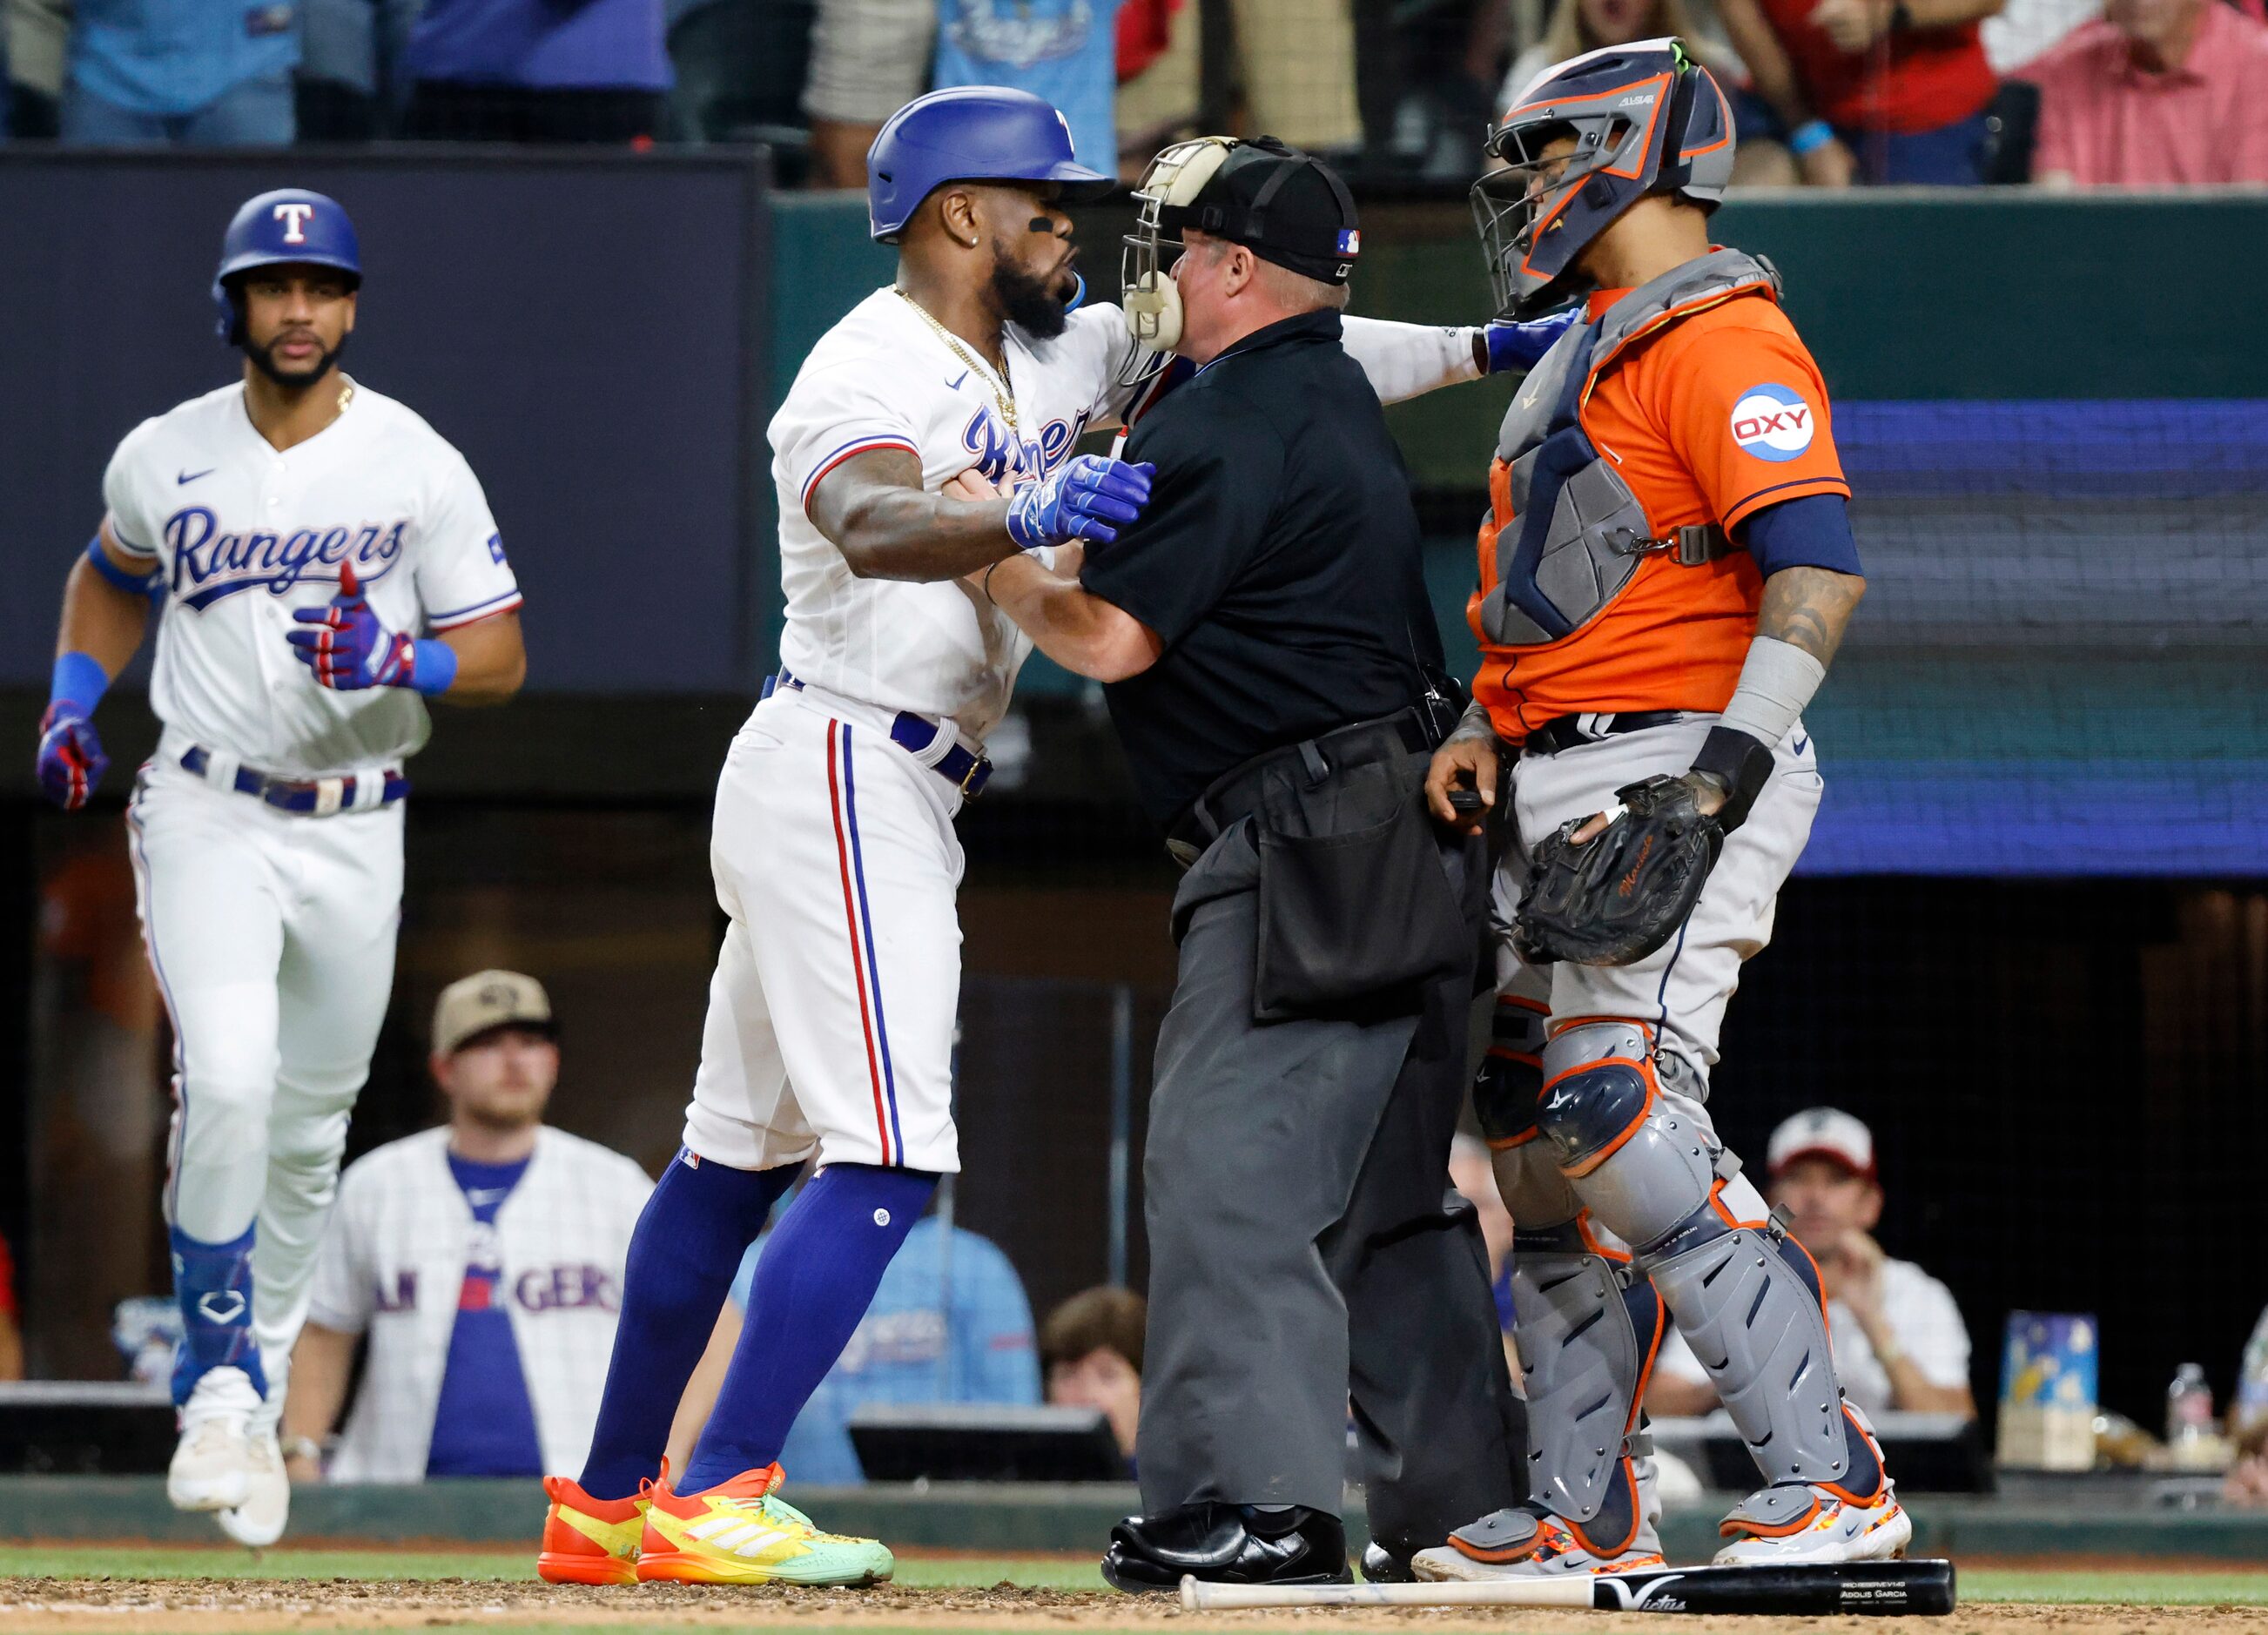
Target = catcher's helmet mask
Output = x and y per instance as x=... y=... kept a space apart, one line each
x=1645 y=119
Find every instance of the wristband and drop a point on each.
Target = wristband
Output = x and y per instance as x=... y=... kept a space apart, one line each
x=432 y=667
x=1740 y=764
x=1809 y=137
x=1777 y=683
x=79 y=681
x=133 y=584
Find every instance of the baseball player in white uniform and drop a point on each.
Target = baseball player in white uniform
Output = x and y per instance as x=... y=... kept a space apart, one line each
x=483 y=1261
x=321 y=561
x=832 y=1009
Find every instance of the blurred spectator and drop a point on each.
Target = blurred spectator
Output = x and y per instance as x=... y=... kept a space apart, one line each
x=36 y=35
x=1879 y=91
x=1580 y=26
x=193 y=73
x=1472 y=1172
x=950 y=1323
x=2156 y=93
x=1065 y=51
x=1091 y=1347
x=869 y=58
x=2248 y=1423
x=1295 y=64
x=484 y=1259
x=350 y=86
x=1899 y=1340
x=11 y=1332
x=535 y=70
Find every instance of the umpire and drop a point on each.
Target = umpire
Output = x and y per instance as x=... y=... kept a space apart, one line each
x=1273 y=669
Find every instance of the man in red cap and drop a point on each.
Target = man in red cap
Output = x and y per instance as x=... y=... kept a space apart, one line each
x=1898 y=1337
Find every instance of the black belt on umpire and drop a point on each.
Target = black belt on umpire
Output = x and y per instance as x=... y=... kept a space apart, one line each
x=305 y=797
x=1236 y=793
x=918 y=735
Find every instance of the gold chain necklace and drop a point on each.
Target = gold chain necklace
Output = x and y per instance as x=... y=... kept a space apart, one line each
x=1005 y=399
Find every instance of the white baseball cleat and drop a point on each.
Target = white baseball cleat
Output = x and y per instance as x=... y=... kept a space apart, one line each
x=211 y=1467
x=1786 y=1526
x=257 y=1522
x=1550 y=1549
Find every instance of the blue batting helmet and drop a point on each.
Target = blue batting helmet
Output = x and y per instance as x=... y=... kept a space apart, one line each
x=290 y=225
x=970 y=133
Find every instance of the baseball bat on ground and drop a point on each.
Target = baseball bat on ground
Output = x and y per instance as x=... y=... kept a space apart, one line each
x=1875 y=1587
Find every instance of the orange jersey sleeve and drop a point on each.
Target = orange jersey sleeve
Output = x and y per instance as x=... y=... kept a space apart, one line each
x=1747 y=413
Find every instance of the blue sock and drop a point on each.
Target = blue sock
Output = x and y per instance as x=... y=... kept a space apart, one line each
x=700 y=1221
x=817 y=1277
x=213 y=1282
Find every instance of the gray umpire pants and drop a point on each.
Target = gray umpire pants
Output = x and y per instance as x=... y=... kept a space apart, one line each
x=1302 y=1254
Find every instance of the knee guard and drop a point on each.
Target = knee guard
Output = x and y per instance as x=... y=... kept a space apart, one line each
x=1639 y=1166
x=1746 y=1298
x=1512 y=1073
x=1589 y=1329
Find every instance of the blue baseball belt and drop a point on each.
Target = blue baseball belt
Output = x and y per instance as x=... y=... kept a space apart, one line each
x=917 y=736
x=311 y=797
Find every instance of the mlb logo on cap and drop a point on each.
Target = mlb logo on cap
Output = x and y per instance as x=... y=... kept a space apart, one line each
x=1351 y=241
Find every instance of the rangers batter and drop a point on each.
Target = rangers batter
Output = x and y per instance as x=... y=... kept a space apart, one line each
x=1664 y=576
x=322 y=563
x=831 y=1012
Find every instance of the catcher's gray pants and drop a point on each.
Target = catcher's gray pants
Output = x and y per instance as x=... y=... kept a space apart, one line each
x=1682 y=988
x=1300 y=1252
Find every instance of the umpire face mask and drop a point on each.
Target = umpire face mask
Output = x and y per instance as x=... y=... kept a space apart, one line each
x=1258 y=193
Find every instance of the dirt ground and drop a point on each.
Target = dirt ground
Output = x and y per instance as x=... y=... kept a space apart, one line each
x=98 y=1607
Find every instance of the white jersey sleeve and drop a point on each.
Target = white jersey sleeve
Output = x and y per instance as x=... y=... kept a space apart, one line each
x=1408 y=360
x=461 y=574
x=132 y=521
x=340 y=1294
x=1923 y=1314
x=837 y=411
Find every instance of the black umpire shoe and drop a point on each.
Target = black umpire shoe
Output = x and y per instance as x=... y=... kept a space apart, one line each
x=1381 y=1567
x=1227 y=1544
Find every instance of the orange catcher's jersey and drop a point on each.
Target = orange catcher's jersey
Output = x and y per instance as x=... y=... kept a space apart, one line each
x=1707 y=414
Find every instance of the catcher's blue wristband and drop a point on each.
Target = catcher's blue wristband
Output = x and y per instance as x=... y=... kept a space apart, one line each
x=432 y=667
x=1809 y=137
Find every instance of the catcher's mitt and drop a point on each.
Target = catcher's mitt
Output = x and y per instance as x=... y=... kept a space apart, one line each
x=1617 y=898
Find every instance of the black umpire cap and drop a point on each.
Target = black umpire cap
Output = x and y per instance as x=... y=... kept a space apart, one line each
x=1283 y=205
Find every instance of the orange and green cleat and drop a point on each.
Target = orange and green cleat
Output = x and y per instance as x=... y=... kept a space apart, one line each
x=740 y=1532
x=587 y=1540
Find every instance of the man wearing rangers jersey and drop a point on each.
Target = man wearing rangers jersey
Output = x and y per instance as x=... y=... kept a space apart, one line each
x=832 y=1009
x=1665 y=574
x=298 y=532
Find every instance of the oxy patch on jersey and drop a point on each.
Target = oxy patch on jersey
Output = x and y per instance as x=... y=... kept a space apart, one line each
x=995 y=454
x=208 y=562
x=1772 y=422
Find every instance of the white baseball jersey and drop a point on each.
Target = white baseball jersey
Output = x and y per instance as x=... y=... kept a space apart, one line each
x=242 y=534
x=1921 y=1312
x=392 y=1262
x=885 y=377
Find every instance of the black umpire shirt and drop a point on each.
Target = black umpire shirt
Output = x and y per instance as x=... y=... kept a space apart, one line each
x=1278 y=560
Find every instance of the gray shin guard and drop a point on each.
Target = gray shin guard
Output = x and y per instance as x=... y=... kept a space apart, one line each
x=1746 y=1300
x=1588 y=1330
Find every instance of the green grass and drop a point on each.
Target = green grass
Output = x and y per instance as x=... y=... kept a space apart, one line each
x=67 y=1561
x=2052 y=1586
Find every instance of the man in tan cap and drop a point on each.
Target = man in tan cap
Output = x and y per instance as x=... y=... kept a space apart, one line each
x=483 y=1261
x=1899 y=1340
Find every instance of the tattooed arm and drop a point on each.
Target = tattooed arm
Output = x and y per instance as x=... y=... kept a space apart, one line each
x=1810 y=608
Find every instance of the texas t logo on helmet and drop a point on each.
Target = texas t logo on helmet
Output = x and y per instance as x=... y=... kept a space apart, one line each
x=1625 y=121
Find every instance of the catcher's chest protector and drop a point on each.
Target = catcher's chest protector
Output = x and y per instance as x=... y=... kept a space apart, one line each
x=1565 y=533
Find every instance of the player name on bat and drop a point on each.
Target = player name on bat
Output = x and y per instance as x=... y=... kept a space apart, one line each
x=1879 y=1588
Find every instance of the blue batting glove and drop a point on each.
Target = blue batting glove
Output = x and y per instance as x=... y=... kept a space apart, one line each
x=1080 y=499
x=72 y=762
x=349 y=649
x=1521 y=346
